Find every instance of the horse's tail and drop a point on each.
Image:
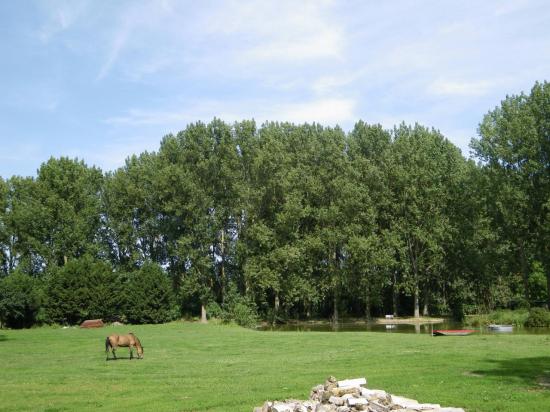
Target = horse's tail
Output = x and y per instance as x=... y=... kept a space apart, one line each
x=107 y=344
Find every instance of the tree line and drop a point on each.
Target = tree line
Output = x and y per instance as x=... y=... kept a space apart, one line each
x=283 y=221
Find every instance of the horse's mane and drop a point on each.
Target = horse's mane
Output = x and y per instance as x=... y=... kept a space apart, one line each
x=135 y=338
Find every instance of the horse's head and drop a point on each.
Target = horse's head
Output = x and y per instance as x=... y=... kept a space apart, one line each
x=137 y=343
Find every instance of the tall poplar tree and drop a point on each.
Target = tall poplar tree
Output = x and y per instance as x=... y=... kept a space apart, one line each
x=423 y=161
x=514 y=145
x=69 y=191
x=133 y=228
x=4 y=234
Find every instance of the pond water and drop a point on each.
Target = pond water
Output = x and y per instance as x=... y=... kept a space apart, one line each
x=389 y=328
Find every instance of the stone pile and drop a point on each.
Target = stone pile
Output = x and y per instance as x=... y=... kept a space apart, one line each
x=351 y=395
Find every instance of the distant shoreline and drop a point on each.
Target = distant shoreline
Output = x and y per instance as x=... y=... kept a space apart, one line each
x=411 y=320
x=379 y=321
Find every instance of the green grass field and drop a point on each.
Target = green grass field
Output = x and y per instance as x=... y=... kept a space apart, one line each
x=194 y=367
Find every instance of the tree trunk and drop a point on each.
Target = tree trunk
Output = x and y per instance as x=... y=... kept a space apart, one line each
x=276 y=306
x=425 y=309
x=203 y=314
x=336 y=296
x=12 y=256
x=222 y=268
x=395 y=294
x=416 y=302
x=336 y=302
x=367 y=304
x=414 y=267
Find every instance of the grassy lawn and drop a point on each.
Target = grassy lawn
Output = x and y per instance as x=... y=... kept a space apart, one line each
x=194 y=367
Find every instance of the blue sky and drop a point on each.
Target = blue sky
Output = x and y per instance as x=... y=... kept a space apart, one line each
x=102 y=80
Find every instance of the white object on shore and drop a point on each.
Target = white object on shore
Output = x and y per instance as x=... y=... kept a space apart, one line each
x=501 y=328
x=352 y=383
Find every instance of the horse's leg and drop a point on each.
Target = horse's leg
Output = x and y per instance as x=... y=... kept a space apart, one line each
x=114 y=352
x=131 y=352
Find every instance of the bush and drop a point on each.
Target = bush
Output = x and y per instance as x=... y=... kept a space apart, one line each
x=214 y=310
x=148 y=296
x=500 y=317
x=538 y=318
x=82 y=289
x=20 y=300
x=238 y=309
x=244 y=314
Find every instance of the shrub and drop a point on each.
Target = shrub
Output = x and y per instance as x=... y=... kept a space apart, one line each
x=239 y=309
x=244 y=314
x=509 y=317
x=538 y=318
x=20 y=300
x=214 y=310
x=148 y=296
x=82 y=289
x=501 y=317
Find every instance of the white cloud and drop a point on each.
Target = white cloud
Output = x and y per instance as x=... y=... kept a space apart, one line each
x=60 y=18
x=327 y=44
x=112 y=155
x=510 y=6
x=443 y=87
x=232 y=37
x=118 y=43
x=325 y=111
x=139 y=117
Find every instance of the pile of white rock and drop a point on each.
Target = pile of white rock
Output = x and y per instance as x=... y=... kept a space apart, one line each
x=351 y=395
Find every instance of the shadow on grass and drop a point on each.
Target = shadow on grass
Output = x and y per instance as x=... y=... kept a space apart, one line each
x=123 y=358
x=3 y=338
x=531 y=371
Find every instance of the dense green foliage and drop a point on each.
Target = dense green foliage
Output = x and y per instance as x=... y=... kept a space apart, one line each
x=148 y=296
x=87 y=288
x=517 y=317
x=538 y=318
x=194 y=367
x=20 y=300
x=285 y=220
x=82 y=289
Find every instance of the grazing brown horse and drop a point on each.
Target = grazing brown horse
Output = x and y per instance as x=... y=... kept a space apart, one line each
x=128 y=341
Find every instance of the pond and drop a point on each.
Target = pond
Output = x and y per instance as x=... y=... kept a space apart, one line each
x=427 y=328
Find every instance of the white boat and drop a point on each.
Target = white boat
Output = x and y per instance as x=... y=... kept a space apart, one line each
x=501 y=328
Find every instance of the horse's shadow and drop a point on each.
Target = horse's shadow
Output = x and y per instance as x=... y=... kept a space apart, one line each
x=530 y=371
x=122 y=358
x=3 y=338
